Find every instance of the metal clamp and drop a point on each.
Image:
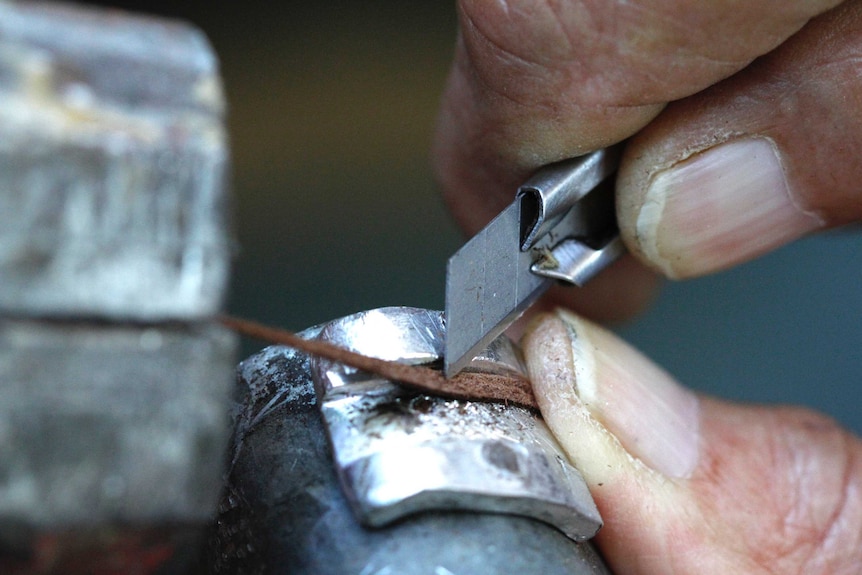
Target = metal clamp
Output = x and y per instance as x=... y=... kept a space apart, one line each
x=398 y=452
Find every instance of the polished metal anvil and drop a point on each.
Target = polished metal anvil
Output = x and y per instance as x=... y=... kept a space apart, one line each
x=398 y=452
x=335 y=470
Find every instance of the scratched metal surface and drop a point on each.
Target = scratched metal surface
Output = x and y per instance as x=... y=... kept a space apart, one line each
x=284 y=512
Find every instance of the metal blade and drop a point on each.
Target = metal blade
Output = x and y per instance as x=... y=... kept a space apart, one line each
x=488 y=286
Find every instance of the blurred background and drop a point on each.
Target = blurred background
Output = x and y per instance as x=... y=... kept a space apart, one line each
x=331 y=107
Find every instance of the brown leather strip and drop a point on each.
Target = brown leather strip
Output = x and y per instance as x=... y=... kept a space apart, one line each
x=465 y=385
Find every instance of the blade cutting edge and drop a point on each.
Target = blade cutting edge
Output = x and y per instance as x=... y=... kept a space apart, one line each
x=488 y=286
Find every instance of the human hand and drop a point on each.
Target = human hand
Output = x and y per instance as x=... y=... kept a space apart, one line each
x=756 y=149
x=534 y=82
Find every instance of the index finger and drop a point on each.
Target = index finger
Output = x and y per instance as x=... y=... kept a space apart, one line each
x=537 y=81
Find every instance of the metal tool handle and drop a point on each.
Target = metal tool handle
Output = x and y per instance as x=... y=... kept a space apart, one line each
x=567 y=211
x=549 y=195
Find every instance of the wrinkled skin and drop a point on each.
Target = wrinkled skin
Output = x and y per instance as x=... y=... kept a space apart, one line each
x=764 y=490
x=744 y=121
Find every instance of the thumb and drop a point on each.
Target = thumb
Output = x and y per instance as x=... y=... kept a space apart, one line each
x=753 y=162
x=688 y=484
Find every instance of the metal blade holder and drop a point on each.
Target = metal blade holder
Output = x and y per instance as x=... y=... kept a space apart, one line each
x=399 y=452
x=561 y=226
x=567 y=217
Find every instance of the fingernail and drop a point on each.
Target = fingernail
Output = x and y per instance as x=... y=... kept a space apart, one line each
x=718 y=208
x=654 y=418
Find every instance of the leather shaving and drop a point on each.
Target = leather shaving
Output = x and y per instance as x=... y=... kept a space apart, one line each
x=474 y=386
